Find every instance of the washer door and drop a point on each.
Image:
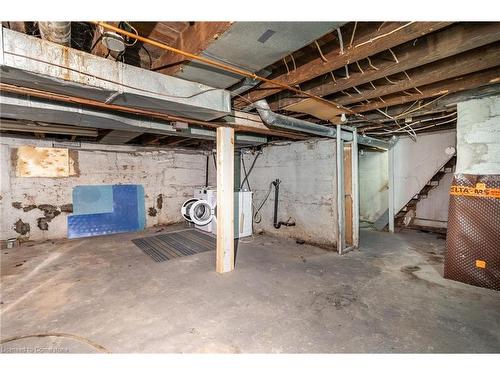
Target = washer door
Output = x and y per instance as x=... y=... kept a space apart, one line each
x=201 y=212
x=186 y=208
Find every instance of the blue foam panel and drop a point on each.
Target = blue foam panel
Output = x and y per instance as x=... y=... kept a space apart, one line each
x=127 y=215
x=141 y=209
x=92 y=199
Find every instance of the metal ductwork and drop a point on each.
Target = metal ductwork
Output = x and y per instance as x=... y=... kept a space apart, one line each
x=29 y=62
x=290 y=123
x=252 y=46
x=29 y=109
x=56 y=32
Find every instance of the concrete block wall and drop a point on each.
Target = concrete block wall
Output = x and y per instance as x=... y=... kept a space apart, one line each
x=168 y=178
x=478 y=136
x=307 y=170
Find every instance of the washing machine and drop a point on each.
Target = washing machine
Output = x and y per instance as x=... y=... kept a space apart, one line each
x=201 y=210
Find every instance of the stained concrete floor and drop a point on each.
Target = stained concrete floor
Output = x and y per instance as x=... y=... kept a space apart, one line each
x=282 y=298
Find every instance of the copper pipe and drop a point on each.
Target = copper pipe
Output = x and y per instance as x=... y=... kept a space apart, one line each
x=223 y=66
x=94 y=103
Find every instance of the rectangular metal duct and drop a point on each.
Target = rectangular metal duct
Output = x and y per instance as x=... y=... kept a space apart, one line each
x=46 y=128
x=15 y=106
x=253 y=46
x=32 y=62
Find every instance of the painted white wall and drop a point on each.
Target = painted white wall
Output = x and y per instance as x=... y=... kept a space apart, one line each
x=174 y=174
x=478 y=136
x=373 y=184
x=307 y=170
x=434 y=208
x=416 y=162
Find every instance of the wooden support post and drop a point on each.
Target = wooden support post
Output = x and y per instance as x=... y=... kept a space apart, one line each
x=225 y=200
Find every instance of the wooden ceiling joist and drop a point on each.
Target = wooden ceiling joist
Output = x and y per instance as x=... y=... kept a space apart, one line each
x=194 y=39
x=389 y=35
x=455 y=66
x=432 y=106
x=451 y=41
x=437 y=89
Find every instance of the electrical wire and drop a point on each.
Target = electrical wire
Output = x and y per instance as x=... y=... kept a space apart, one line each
x=257 y=217
x=420 y=107
x=388 y=131
x=384 y=35
x=135 y=31
x=149 y=56
x=249 y=171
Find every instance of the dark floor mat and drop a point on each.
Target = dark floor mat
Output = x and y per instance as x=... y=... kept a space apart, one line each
x=176 y=244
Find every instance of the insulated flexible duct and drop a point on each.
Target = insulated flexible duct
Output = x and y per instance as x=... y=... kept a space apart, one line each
x=57 y=32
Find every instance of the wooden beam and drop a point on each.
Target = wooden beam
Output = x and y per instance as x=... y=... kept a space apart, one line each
x=441 y=88
x=446 y=104
x=151 y=139
x=455 y=66
x=176 y=141
x=99 y=49
x=388 y=36
x=225 y=200
x=451 y=41
x=194 y=39
x=17 y=26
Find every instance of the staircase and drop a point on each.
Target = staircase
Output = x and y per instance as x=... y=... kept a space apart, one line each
x=399 y=218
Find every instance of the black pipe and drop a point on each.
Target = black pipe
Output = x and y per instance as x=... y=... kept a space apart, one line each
x=277 y=224
x=249 y=171
x=206 y=172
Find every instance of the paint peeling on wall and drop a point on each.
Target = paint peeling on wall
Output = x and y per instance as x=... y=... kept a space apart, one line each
x=21 y=227
x=169 y=178
x=159 y=201
x=32 y=161
x=42 y=162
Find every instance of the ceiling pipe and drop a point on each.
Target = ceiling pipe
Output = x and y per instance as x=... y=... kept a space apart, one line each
x=56 y=32
x=31 y=127
x=291 y=123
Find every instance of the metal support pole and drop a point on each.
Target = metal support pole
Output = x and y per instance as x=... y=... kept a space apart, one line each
x=340 y=193
x=355 y=190
x=391 y=189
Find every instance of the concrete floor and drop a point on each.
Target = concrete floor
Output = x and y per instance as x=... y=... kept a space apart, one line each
x=282 y=298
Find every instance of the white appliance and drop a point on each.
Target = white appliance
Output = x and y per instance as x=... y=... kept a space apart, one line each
x=202 y=211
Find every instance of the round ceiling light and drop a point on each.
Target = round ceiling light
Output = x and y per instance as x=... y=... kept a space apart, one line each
x=113 y=41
